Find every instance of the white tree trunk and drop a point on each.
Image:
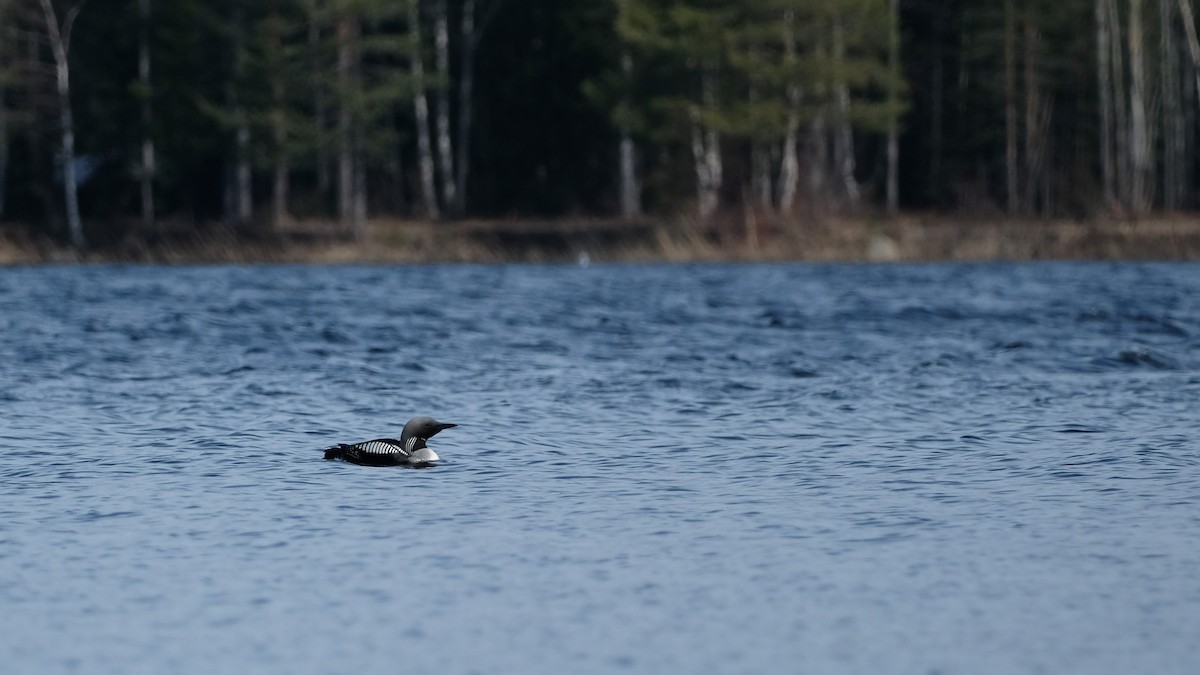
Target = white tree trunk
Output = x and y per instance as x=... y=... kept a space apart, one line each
x=147 y=169
x=844 y=139
x=1139 y=132
x=1189 y=26
x=789 y=168
x=421 y=108
x=761 y=188
x=706 y=152
x=631 y=193
x=1173 y=122
x=243 y=195
x=60 y=45
x=442 y=57
x=358 y=219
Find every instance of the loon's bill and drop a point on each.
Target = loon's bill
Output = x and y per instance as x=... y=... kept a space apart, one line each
x=409 y=450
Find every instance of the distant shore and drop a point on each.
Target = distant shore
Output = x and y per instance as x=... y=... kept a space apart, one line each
x=908 y=238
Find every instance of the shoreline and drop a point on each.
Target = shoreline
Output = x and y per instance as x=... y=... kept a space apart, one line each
x=907 y=238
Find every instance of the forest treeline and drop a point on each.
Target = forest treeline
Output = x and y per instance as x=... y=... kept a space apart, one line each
x=146 y=116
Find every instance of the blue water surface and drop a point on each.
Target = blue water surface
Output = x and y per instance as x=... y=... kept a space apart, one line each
x=658 y=469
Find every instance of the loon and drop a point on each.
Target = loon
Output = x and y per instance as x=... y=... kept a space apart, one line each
x=410 y=450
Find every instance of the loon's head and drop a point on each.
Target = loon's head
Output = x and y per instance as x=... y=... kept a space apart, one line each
x=423 y=428
x=416 y=432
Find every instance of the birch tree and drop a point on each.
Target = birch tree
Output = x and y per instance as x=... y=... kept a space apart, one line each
x=421 y=110
x=441 y=23
x=893 y=131
x=631 y=190
x=1139 y=132
x=60 y=47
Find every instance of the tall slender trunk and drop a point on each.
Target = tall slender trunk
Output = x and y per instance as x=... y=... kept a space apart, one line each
x=1189 y=26
x=1104 y=85
x=358 y=197
x=1139 y=134
x=1173 y=123
x=1013 y=201
x=148 y=169
x=893 y=130
x=466 y=87
x=631 y=198
x=789 y=167
x=442 y=60
x=1033 y=110
x=60 y=45
x=244 y=199
x=760 y=168
x=706 y=151
x=421 y=108
x=844 y=137
x=346 y=33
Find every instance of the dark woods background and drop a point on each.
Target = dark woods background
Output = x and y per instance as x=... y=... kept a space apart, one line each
x=194 y=114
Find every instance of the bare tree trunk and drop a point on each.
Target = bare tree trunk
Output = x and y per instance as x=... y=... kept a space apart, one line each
x=1139 y=136
x=789 y=168
x=358 y=218
x=706 y=152
x=60 y=45
x=244 y=198
x=844 y=137
x=346 y=32
x=818 y=159
x=760 y=170
x=1033 y=109
x=1104 y=85
x=1189 y=25
x=631 y=193
x=421 y=107
x=466 y=86
x=1120 y=106
x=147 y=170
x=893 y=132
x=760 y=179
x=1173 y=123
x=442 y=56
x=1012 y=193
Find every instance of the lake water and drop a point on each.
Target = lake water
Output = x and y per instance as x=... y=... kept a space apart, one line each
x=658 y=469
